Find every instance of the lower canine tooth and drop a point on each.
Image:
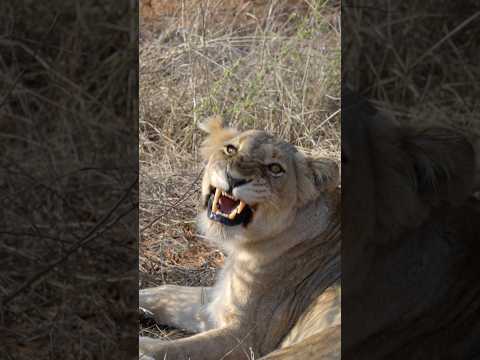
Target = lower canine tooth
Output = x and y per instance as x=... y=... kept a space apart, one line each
x=232 y=214
x=240 y=207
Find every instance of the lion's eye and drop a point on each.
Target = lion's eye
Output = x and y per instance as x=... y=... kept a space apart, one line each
x=230 y=149
x=276 y=169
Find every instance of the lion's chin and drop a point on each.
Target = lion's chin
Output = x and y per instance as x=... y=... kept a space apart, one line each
x=224 y=208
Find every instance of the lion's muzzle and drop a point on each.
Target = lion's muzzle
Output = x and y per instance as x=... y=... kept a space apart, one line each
x=228 y=210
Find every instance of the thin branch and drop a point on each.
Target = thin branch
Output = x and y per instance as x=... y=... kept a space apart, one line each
x=93 y=234
x=35 y=53
x=176 y=203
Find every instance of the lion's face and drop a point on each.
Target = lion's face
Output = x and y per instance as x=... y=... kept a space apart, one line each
x=249 y=182
x=254 y=184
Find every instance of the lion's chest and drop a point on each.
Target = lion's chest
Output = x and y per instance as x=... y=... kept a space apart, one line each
x=235 y=294
x=230 y=297
x=221 y=309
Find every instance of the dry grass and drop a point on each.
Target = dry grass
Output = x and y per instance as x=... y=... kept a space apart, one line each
x=67 y=184
x=418 y=61
x=275 y=67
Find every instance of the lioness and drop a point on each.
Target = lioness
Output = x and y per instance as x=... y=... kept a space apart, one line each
x=275 y=211
x=410 y=236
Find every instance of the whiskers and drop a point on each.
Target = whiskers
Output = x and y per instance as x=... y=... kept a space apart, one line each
x=273 y=202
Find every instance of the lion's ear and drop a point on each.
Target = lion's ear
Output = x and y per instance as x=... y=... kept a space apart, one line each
x=217 y=132
x=212 y=124
x=443 y=163
x=315 y=176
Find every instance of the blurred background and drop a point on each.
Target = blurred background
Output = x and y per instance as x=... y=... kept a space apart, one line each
x=68 y=179
x=417 y=62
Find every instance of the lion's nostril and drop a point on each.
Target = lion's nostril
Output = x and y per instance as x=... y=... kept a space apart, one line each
x=240 y=182
x=233 y=183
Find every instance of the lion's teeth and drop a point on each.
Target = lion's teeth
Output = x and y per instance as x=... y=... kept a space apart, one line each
x=218 y=193
x=240 y=207
x=228 y=195
x=237 y=210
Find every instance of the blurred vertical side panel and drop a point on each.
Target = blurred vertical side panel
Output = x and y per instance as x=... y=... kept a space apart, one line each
x=410 y=180
x=68 y=179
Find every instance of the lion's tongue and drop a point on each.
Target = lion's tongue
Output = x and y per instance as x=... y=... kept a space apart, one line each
x=227 y=205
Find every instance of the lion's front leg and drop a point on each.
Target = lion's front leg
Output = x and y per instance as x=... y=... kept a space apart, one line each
x=225 y=344
x=181 y=307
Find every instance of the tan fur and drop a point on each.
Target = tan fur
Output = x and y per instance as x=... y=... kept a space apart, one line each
x=214 y=126
x=278 y=294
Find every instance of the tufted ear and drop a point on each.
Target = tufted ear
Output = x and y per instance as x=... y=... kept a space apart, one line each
x=443 y=161
x=217 y=132
x=315 y=176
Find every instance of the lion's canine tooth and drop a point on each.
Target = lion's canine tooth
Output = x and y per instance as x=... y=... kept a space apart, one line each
x=237 y=210
x=218 y=192
x=228 y=195
x=240 y=207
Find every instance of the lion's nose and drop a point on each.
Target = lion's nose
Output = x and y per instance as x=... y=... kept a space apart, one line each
x=233 y=182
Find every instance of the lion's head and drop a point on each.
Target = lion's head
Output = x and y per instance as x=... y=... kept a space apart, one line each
x=255 y=184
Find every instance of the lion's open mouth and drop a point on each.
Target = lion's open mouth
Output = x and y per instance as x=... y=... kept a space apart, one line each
x=228 y=210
